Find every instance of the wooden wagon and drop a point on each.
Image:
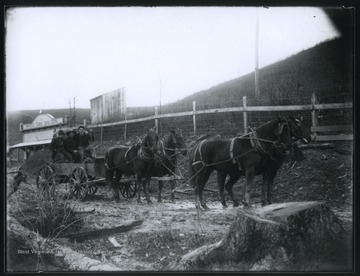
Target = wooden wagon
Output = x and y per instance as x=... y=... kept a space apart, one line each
x=77 y=180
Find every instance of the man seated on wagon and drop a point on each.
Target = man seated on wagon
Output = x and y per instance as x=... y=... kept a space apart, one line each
x=59 y=153
x=83 y=139
x=71 y=147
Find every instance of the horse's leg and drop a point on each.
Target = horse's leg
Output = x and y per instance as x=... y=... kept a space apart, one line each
x=172 y=187
x=147 y=185
x=160 y=189
x=109 y=178
x=202 y=179
x=269 y=186
x=138 y=187
x=221 y=176
x=248 y=186
x=118 y=175
x=229 y=185
x=265 y=189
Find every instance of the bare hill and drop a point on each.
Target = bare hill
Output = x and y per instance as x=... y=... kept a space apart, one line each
x=326 y=69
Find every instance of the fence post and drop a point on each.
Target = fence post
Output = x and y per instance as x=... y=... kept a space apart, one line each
x=156 y=120
x=314 y=119
x=194 y=117
x=125 y=129
x=244 y=103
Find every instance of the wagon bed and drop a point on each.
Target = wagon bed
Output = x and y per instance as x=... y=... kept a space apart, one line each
x=77 y=180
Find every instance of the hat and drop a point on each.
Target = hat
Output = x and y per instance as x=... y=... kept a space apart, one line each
x=61 y=132
x=70 y=131
x=81 y=127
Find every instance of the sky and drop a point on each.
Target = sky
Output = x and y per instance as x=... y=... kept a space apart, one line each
x=56 y=56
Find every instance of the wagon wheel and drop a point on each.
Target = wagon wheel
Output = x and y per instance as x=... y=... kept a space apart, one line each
x=92 y=189
x=45 y=182
x=78 y=183
x=128 y=189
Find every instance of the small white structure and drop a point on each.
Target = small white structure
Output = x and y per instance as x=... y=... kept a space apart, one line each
x=37 y=135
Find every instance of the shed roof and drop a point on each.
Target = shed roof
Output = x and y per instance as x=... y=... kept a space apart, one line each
x=27 y=144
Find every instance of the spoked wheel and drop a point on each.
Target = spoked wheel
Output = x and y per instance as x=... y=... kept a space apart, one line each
x=128 y=189
x=92 y=189
x=45 y=182
x=78 y=183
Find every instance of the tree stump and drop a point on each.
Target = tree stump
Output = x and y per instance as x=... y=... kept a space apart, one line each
x=282 y=236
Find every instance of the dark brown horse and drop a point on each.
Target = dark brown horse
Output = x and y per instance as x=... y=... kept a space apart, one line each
x=270 y=165
x=167 y=160
x=246 y=155
x=137 y=160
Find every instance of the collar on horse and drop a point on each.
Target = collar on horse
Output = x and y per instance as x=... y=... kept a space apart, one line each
x=256 y=144
x=198 y=148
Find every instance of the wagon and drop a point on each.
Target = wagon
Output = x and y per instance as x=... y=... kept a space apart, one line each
x=77 y=180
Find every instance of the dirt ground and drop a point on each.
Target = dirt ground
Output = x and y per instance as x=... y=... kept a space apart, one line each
x=172 y=229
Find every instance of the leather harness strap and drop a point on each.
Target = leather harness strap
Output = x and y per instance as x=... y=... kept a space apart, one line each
x=126 y=153
x=198 y=148
x=232 y=150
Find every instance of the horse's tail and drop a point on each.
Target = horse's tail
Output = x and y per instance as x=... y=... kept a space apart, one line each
x=191 y=169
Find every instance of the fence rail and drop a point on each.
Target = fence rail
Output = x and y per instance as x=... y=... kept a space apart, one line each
x=244 y=108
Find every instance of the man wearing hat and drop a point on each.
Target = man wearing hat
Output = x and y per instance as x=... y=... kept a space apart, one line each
x=83 y=139
x=71 y=147
x=58 y=150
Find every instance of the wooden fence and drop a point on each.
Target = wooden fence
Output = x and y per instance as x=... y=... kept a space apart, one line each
x=318 y=132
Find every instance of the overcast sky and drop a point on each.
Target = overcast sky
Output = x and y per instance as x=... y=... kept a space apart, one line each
x=54 y=55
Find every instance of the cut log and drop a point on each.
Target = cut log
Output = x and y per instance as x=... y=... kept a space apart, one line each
x=279 y=235
x=61 y=254
x=80 y=237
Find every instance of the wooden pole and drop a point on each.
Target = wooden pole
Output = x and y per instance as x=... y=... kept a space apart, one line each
x=314 y=119
x=156 y=120
x=125 y=113
x=194 y=116
x=257 y=90
x=245 y=114
x=125 y=127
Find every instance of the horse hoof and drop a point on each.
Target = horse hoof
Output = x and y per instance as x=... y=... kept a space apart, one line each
x=206 y=208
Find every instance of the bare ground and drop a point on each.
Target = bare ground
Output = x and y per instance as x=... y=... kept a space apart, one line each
x=170 y=230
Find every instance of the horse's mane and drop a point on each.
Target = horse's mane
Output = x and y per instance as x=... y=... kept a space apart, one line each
x=267 y=130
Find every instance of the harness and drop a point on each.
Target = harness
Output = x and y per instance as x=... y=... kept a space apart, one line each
x=276 y=148
x=198 y=148
x=256 y=144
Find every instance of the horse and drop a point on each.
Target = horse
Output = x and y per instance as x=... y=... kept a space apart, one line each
x=136 y=160
x=269 y=167
x=167 y=160
x=244 y=155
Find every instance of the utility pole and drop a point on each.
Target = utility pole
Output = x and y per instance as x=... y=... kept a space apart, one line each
x=160 y=93
x=257 y=90
x=74 y=112
x=71 y=115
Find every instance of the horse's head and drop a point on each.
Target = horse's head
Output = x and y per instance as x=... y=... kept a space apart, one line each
x=298 y=130
x=177 y=141
x=284 y=132
x=151 y=141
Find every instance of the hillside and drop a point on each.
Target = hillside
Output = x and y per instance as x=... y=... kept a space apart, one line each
x=325 y=69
